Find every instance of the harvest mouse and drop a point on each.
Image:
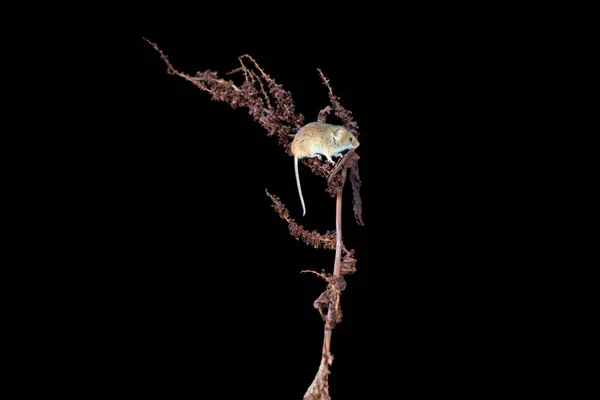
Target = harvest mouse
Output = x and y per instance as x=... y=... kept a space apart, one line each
x=318 y=138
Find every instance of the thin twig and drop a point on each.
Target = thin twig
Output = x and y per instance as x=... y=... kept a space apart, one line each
x=262 y=88
x=196 y=81
x=322 y=275
x=326 y=82
x=259 y=68
x=234 y=71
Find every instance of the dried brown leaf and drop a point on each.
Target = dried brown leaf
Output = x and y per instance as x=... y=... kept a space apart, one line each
x=348 y=263
x=357 y=200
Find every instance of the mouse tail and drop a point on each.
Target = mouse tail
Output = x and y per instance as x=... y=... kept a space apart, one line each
x=299 y=188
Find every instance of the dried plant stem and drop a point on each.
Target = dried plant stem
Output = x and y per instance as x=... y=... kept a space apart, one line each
x=272 y=107
x=338 y=246
x=319 y=388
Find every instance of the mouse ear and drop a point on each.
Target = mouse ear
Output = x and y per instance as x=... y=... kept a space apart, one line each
x=337 y=134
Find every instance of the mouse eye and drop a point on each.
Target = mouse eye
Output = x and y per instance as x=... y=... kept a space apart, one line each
x=350 y=139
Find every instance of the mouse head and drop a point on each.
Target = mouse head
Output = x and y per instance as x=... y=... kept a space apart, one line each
x=344 y=139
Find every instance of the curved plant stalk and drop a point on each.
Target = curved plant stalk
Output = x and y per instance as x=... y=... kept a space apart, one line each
x=319 y=388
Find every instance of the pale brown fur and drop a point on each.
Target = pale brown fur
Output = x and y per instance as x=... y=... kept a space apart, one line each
x=316 y=139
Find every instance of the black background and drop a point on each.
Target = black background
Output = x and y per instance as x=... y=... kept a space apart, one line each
x=217 y=286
